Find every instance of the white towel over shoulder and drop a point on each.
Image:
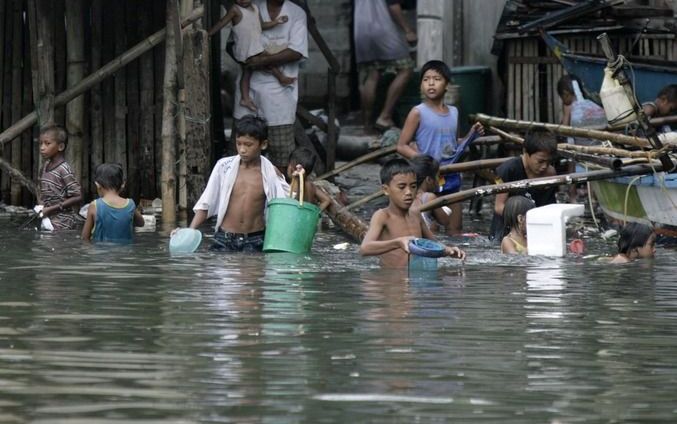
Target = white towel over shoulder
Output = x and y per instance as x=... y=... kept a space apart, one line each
x=216 y=197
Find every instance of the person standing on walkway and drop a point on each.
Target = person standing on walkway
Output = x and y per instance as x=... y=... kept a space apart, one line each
x=276 y=102
x=382 y=38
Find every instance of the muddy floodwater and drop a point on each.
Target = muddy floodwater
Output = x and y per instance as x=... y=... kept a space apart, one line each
x=93 y=334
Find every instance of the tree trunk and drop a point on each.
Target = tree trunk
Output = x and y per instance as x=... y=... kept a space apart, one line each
x=168 y=176
x=75 y=109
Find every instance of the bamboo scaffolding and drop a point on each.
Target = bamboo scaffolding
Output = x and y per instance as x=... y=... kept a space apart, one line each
x=563 y=130
x=362 y=159
x=96 y=77
x=521 y=185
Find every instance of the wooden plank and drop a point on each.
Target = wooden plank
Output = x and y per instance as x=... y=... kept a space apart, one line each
x=75 y=109
x=120 y=82
x=96 y=109
x=59 y=54
x=108 y=85
x=537 y=84
x=133 y=110
x=511 y=79
x=527 y=78
x=533 y=59
x=147 y=174
x=6 y=99
x=518 y=81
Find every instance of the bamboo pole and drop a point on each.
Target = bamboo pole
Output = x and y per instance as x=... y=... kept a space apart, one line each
x=599 y=150
x=96 y=77
x=332 y=132
x=563 y=130
x=349 y=223
x=362 y=159
x=18 y=176
x=75 y=109
x=168 y=175
x=181 y=109
x=521 y=185
x=506 y=135
x=476 y=165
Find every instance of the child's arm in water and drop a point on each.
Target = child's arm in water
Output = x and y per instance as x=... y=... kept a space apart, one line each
x=407 y=134
x=372 y=246
x=138 y=219
x=86 y=234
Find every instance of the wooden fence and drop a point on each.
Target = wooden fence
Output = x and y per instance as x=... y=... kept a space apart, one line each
x=122 y=118
x=533 y=71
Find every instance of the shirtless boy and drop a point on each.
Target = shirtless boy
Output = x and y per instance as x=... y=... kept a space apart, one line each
x=238 y=191
x=392 y=228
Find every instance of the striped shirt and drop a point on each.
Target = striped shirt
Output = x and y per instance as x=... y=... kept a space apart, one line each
x=56 y=185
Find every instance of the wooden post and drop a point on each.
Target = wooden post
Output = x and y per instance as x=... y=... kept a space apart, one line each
x=6 y=95
x=198 y=145
x=133 y=109
x=168 y=176
x=75 y=109
x=332 y=133
x=27 y=144
x=17 y=91
x=146 y=172
x=96 y=109
x=59 y=55
x=119 y=140
x=181 y=110
x=430 y=23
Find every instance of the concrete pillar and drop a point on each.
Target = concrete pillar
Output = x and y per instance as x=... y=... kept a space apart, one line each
x=430 y=24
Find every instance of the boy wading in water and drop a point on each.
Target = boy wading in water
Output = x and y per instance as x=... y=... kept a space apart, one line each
x=392 y=228
x=247 y=30
x=238 y=191
x=60 y=190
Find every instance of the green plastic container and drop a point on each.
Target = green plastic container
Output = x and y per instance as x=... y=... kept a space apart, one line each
x=291 y=226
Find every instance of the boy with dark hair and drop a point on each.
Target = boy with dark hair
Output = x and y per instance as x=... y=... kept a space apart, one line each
x=664 y=105
x=302 y=160
x=534 y=162
x=433 y=125
x=392 y=228
x=239 y=189
x=60 y=191
x=111 y=217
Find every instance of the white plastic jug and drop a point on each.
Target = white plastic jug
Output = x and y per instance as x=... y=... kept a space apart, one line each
x=617 y=106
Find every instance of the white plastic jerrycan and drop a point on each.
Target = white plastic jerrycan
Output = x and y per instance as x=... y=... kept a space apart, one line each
x=617 y=106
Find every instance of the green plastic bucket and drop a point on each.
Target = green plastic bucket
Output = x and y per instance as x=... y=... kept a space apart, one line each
x=291 y=226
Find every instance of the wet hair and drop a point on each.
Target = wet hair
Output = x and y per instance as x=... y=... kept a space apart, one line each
x=394 y=167
x=515 y=206
x=252 y=126
x=633 y=235
x=425 y=166
x=303 y=156
x=109 y=176
x=669 y=92
x=540 y=141
x=565 y=84
x=437 y=66
x=58 y=132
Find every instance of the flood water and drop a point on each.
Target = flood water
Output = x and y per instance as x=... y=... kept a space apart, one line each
x=132 y=334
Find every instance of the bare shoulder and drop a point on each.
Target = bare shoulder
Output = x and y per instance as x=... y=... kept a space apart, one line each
x=551 y=171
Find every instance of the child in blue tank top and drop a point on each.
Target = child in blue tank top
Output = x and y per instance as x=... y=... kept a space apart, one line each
x=111 y=217
x=433 y=125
